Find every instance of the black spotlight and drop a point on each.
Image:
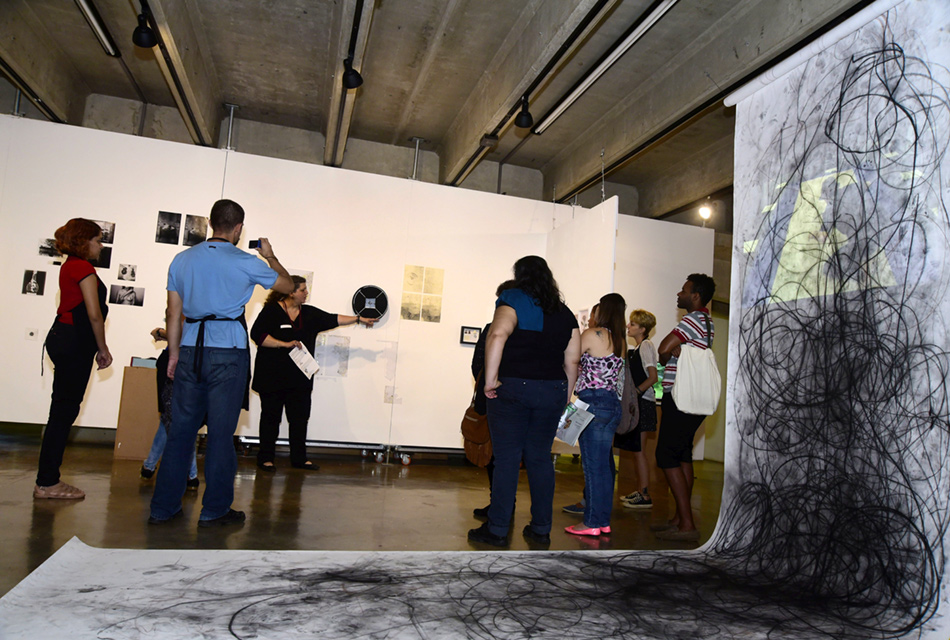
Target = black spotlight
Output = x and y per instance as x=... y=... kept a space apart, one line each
x=524 y=120
x=143 y=36
x=351 y=77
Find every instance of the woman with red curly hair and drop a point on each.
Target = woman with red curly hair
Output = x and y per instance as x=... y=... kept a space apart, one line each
x=76 y=339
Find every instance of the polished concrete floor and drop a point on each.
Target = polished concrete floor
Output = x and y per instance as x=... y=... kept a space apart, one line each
x=349 y=504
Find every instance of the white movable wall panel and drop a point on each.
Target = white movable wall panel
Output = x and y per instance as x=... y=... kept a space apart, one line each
x=54 y=173
x=475 y=238
x=407 y=380
x=653 y=260
x=349 y=230
x=580 y=252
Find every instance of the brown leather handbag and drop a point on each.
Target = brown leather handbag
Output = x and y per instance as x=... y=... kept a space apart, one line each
x=476 y=435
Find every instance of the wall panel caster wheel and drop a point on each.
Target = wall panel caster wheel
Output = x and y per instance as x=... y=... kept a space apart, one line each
x=406 y=459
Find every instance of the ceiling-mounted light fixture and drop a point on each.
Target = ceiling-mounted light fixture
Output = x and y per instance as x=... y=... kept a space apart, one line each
x=605 y=63
x=524 y=120
x=705 y=212
x=143 y=36
x=95 y=21
x=351 y=77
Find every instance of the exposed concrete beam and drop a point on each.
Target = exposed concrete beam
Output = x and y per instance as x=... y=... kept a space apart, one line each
x=689 y=80
x=530 y=45
x=706 y=171
x=28 y=50
x=199 y=100
x=342 y=101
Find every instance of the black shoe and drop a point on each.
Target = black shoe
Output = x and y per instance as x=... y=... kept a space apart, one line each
x=146 y=473
x=174 y=516
x=231 y=517
x=192 y=484
x=271 y=467
x=533 y=536
x=309 y=466
x=483 y=535
x=481 y=513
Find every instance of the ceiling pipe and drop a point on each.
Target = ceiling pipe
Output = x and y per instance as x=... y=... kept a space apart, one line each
x=562 y=51
x=173 y=79
x=718 y=97
x=636 y=31
x=415 y=157
x=344 y=94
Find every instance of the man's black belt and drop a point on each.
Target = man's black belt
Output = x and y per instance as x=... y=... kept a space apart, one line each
x=200 y=341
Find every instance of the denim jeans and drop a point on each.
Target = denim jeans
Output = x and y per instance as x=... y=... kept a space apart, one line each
x=218 y=395
x=522 y=421
x=158 y=446
x=596 y=442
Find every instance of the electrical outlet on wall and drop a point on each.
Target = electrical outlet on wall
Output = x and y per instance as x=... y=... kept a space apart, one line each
x=31 y=334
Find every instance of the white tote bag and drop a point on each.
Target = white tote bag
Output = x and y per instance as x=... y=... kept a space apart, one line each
x=697 y=384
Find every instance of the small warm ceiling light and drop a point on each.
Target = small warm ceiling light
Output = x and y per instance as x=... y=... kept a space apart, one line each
x=524 y=120
x=351 y=77
x=705 y=212
x=143 y=36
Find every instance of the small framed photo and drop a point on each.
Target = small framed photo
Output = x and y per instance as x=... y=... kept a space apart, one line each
x=470 y=335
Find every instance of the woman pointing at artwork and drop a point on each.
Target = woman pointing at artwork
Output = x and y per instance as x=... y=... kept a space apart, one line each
x=285 y=323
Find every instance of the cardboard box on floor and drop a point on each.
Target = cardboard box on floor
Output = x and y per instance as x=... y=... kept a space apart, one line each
x=138 y=414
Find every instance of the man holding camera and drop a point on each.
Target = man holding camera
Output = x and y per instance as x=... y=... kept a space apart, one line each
x=208 y=358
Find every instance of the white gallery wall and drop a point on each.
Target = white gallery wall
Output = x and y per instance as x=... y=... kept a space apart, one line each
x=407 y=381
x=653 y=260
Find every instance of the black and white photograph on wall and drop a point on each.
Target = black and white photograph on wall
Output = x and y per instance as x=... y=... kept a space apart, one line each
x=196 y=230
x=47 y=247
x=168 y=227
x=127 y=272
x=34 y=283
x=105 y=259
x=470 y=335
x=131 y=296
x=108 y=231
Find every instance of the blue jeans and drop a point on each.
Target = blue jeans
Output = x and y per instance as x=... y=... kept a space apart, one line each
x=219 y=395
x=158 y=446
x=596 y=442
x=522 y=421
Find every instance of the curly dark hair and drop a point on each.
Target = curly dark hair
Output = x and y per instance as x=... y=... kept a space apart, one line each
x=533 y=276
x=72 y=239
x=276 y=296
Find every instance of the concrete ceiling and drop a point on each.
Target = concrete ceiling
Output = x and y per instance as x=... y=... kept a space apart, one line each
x=447 y=71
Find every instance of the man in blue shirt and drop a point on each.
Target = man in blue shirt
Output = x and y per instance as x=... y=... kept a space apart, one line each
x=208 y=286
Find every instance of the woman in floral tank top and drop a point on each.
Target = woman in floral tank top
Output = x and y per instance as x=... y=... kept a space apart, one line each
x=601 y=367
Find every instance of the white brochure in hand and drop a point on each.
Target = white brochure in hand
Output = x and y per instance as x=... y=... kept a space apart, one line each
x=574 y=419
x=304 y=360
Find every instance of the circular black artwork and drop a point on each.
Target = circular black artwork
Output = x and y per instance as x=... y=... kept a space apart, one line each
x=370 y=302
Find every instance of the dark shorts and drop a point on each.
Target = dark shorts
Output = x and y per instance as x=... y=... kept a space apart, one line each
x=631 y=441
x=674 y=444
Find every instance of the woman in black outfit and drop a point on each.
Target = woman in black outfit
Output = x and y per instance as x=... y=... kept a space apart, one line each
x=284 y=323
x=531 y=357
x=76 y=339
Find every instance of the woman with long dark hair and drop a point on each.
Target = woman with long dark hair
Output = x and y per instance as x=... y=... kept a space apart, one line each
x=598 y=384
x=531 y=357
x=283 y=324
x=76 y=339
